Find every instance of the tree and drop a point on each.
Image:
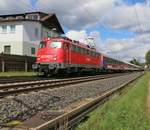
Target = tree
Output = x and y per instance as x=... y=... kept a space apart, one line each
x=136 y=62
x=147 y=58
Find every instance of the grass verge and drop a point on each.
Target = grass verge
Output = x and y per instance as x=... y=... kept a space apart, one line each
x=17 y=73
x=125 y=112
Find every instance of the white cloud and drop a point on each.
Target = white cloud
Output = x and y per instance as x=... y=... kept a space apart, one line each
x=82 y=36
x=136 y=18
x=77 y=14
x=128 y=51
x=14 y=6
x=80 y=15
x=77 y=35
x=123 y=49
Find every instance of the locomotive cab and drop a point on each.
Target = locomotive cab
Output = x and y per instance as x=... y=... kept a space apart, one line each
x=50 y=57
x=49 y=52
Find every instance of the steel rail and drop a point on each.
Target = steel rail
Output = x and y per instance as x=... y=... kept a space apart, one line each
x=17 y=88
x=70 y=119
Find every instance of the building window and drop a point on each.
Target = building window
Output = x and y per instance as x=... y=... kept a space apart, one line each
x=12 y=28
x=19 y=17
x=36 y=32
x=33 y=16
x=4 y=28
x=7 y=49
x=32 y=50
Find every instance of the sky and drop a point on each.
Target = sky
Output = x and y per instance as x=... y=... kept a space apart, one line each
x=120 y=28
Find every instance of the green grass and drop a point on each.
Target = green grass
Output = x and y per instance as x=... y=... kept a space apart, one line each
x=19 y=73
x=125 y=112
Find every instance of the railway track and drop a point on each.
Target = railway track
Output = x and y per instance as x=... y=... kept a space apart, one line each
x=65 y=118
x=19 y=79
x=68 y=120
x=24 y=87
x=6 y=80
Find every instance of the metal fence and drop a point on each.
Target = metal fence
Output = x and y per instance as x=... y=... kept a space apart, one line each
x=15 y=63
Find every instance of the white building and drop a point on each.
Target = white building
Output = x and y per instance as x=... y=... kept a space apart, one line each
x=20 y=34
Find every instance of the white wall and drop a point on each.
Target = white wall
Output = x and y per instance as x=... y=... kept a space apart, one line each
x=24 y=38
x=29 y=38
x=27 y=48
x=14 y=39
x=29 y=31
x=8 y=36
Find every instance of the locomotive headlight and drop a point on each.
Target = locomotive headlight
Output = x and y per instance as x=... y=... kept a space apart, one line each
x=38 y=58
x=55 y=57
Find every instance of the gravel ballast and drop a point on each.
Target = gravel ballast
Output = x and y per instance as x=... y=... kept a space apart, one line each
x=24 y=106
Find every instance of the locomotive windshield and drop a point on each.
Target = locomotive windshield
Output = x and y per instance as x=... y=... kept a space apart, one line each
x=42 y=44
x=55 y=45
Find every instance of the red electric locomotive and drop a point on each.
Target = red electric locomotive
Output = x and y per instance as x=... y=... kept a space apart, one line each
x=62 y=54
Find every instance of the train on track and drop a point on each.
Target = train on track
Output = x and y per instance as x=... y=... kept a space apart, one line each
x=63 y=55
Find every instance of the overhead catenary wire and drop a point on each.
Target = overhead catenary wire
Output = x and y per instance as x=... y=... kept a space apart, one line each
x=90 y=15
x=137 y=17
x=106 y=29
x=139 y=23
